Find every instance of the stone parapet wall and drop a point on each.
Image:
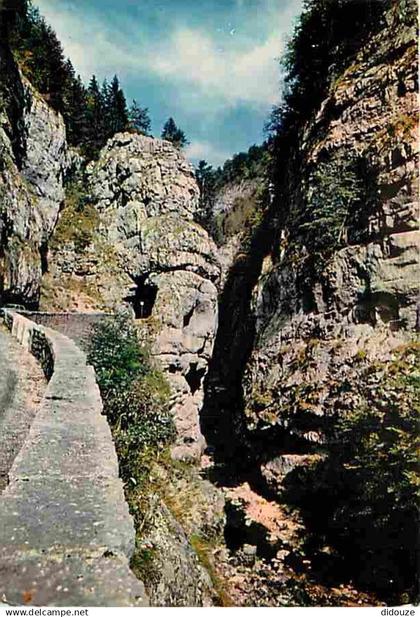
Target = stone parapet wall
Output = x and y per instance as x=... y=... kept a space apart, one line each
x=77 y=326
x=66 y=535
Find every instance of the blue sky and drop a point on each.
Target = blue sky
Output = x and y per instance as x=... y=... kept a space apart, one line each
x=211 y=64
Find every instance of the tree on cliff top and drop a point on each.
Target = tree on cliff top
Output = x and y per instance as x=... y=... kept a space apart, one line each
x=74 y=106
x=116 y=107
x=139 y=118
x=174 y=134
x=206 y=180
x=40 y=55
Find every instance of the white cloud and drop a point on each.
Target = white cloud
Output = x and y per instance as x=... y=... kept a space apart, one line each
x=209 y=77
x=239 y=72
x=232 y=75
x=204 y=150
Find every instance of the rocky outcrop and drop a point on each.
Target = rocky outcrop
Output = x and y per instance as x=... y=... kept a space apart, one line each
x=33 y=155
x=144 y=251
x=306 y=311
x=314 y=320
x=178 y=578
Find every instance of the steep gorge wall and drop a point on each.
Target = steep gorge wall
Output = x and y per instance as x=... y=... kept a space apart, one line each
x=83 y=243
x=364 y=293
x=34 y=160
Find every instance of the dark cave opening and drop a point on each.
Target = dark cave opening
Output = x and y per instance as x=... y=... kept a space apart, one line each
x=43 y=251
x=194 y=377
x=188 y=316
x=144 y=298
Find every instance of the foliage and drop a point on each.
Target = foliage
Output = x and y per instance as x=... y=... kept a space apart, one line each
x=244 y=216
x=368 y=487
x=328 y=36
x=175 y=135
x=92 y=114
x=134 y=392
x=143 y=563
x=139 y=119
x=40 y=55
x=115 y=107
x=78 y=220
x=248 y=165
x=205 y=177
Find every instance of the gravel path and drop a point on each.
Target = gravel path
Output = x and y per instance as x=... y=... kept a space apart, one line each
x=22 y=384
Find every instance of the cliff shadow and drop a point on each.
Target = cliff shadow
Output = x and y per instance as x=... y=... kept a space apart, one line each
x=222 y=416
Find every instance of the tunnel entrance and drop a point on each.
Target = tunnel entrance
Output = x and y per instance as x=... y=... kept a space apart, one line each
x=144 y=298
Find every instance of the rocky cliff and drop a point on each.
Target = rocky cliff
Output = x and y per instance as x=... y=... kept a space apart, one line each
x=316 y=315
x=301 y=291
x=323 y=292
x=280 y=330
x=34 y=161
x=127 y=238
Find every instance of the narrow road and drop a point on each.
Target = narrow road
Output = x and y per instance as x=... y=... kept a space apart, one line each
x=22 y=384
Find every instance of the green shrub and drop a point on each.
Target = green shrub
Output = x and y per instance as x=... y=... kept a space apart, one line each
x=341 y=193
x=366 y=496
x=135 y=394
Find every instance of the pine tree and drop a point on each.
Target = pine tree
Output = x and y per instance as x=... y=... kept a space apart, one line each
x=206 y=180
x=74 y=98
x=173 y=134
x=96 y=117
x=116 y=107
x=139 y=118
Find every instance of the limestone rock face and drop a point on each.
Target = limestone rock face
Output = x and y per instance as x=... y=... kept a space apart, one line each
x=31 y=189
x=146 y=195
x=147 y=253
x=179 y=579
x=142 y=177
x=315 y=326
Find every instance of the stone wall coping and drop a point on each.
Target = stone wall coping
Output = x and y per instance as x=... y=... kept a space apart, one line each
x=66 y=535
x=60 y=313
